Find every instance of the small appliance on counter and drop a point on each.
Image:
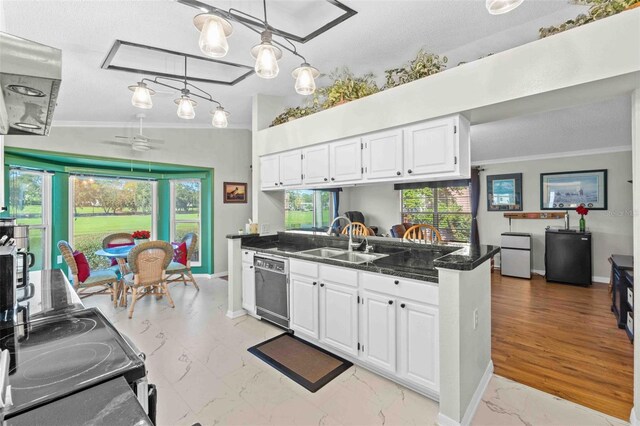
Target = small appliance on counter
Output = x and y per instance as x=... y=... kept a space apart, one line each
x=8 y=284
x=515 y=254
x=18 y=235
x=567 y=256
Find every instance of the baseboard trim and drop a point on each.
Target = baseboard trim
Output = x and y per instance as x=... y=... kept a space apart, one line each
x=595 y=278
x=202 y=276
x=236 y=314
x=470 y=412
x=220 y=274
x=633 y=419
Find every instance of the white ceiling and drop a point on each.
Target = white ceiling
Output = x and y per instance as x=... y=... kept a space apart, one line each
x=382 y=35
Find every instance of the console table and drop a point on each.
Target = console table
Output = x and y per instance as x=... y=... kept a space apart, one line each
x=622 y=291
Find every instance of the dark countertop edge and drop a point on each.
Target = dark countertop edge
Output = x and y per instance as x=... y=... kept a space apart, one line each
x=461 y=261
x=361 y=267
x=236 y=236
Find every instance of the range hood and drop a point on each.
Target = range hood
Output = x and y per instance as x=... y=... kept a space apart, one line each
x=30 y=75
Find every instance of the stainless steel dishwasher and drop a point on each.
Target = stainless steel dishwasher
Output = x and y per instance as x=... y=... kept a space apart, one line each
x=272 y=288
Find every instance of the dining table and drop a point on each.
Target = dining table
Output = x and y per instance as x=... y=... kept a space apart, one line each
x=120 y=254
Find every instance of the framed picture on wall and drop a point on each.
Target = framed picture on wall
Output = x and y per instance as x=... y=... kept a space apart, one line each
x=234 y=192
x=504 y=192
x=568 y=190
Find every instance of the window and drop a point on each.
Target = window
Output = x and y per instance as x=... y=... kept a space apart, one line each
x=186 y=213
x=448 y=209
x=30 y=194
x=307 y=210
x=107 y=205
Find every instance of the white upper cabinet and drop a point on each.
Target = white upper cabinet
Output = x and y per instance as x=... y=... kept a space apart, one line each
x=315 y=164
x=430 y=147
x=291 y=168
x=345 y=160
x=270 y=171
x=383 y=155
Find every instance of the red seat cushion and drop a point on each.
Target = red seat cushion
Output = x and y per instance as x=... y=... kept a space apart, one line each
x=180 y=252
x=114 y=262
x=83 y=265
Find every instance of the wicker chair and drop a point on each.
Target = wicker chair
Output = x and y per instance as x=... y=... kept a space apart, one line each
x=148 y=262
x=179 y=272
x=117 y=238
x=105 y=278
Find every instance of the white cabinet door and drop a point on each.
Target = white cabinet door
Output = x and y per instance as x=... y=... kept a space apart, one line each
x=430 y=148
x=379 y=331
x=248 y=288
x=339 y=317
x=383 y=155
x=270 y=171
x=345 y=160
x=315 y=164
x=418 y=354
x=291 y=168
x=304 y=305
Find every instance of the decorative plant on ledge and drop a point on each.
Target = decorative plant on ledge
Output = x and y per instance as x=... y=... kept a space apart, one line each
x=345 y=87
x=291 y=114
x=599 y=9
x=423 y=65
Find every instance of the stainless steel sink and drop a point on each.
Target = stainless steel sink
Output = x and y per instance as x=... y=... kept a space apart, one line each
x=323 y=252
x=356 y=257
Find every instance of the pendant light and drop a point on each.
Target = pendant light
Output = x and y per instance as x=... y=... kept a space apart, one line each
x=141 y=95
x=498 y=7
x=186 y=106
x=266 y=56
x=214 y=31
x=219 y=119
x=305 y=76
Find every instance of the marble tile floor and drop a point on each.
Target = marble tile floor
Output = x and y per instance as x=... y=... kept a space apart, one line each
x=198 y=359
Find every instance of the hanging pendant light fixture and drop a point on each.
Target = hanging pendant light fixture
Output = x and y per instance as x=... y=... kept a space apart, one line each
x=305 y=76
x=498 y=7
x=214 y=31
x=141 y=95
x=186 y=106
x=266 y=56
x=219 y=119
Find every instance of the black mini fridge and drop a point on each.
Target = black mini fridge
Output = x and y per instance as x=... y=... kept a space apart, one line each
x=567 y=256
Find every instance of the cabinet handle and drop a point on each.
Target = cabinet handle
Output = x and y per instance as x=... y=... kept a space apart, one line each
x=391 y=302
x=409 y=171
x=402 y=305
x=314 y=283
x=276 y=184
x=398 y=173
x=333 y=178
x=250 y=267
x=246 y=252
x=281 y=183
x=325 y=179
x=321 y=284
x=396 y=282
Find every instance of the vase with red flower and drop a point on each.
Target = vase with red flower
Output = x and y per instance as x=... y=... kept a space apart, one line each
x=582 y=211
x=140 y=237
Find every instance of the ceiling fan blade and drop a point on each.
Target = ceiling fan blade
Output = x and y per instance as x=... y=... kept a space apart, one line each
x=158 y=141
x=117 y=143
x=123 y=137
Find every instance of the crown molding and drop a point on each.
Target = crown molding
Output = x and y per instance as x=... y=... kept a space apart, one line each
x=146 y=125
x=553 y=155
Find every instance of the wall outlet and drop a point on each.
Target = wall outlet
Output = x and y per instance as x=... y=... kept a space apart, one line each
x=59 y=258
x=475 y=318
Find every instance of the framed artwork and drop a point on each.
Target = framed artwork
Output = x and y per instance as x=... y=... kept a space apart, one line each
x=234 y=192
x=568 y=190
x=504 y=192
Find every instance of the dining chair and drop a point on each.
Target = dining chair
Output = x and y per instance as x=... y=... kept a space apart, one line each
x=148 y=262
x=359 y=229
x=422 y=232
x=180 y=272
x=104 y=278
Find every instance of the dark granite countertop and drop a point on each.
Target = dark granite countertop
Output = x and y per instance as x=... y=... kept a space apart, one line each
x=236 y=236
x=406 y=260
x=110 y=403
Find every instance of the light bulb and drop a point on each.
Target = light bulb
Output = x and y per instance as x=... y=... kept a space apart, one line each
x=214 y=31
x=498 y=7
x=141 y=96
x=220 y=118
x=185 y=108
x=305 y=76
x=266 y=56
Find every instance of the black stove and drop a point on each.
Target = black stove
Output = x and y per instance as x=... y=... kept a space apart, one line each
x=61 y=355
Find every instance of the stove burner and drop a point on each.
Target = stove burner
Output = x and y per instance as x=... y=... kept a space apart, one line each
x=51 y=334
x=70 y=361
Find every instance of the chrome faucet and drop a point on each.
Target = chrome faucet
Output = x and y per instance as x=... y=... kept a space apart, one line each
x=350 y=229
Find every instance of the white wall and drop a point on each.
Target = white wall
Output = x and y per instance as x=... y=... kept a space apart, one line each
x=227 y=151
x=612 y=229
x=379 y=203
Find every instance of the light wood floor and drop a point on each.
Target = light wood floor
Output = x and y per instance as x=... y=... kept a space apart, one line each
x=563 y=340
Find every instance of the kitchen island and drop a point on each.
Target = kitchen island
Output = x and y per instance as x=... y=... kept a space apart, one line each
x=418 y=314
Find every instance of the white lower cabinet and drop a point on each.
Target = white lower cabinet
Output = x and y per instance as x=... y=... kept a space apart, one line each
x=304 y=305
x=418 y=344
x=248 y=282
x=339 y=317
x=379 y=331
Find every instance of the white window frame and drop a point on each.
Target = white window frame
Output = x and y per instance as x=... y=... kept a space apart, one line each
x=315 y=210
x=174 y=221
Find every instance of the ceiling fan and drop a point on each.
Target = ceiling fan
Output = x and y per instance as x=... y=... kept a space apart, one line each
x=138 y=142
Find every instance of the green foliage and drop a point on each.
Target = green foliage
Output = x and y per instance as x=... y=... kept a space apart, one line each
x=346 y=87
x=187 y=195
x=599 y=9
x=423 y=65
x=290 y=114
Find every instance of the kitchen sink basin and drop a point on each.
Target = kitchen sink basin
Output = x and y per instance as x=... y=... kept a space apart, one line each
x=323 y=252
x=354 y=257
